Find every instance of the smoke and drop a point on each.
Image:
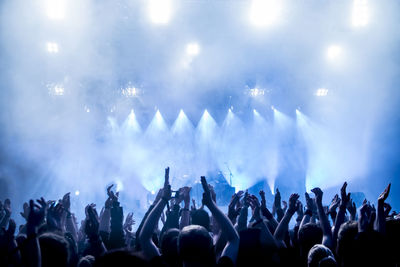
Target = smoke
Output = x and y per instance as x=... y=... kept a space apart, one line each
x=84 y=136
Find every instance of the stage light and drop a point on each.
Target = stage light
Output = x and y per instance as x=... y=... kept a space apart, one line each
x=265 y=12
x=333 y=52
x=360 y=13
x=160 y=11
x=52 y=47
x=55 y=89
x=256 y=92
x=273 y=108
x=77 y=193
x=192 y=49
x=55 y=9
x=321 y=92
x=130 y=91
x=153 y=192
x=87 y=109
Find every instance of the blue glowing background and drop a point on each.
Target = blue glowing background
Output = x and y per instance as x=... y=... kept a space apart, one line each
x=133 y=99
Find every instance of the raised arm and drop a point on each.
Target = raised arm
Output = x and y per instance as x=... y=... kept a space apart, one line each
x=380 y=221
x=35 y=219
x=266 y=237
x=266 y=213
x=227 y=229
x=282 y=228
x=149 y=248
x=242 y=221
x=185 y=215
x=345 y=198
x=323 y=219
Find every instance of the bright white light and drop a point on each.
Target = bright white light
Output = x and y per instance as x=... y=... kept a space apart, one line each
x=273 y=108
x=256 y=92
x=321 y=92
x=265 y=12
x=77 y=193
x=152 y=192
x=52 y=47
x=333 y=52
x=160 y=11
x=55 y=9
x=130 y=91
x=192 y=49
x=55 y=89
x=360 y=13
x=119 y=186
x=158 y=115
x=87 y=109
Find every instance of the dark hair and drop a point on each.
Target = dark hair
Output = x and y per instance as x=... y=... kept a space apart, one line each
x=309 y=235
x=201 y=217
x=345 y=242
x=169 y=246
x=54 y=249
x=120 y=258
x=195 y=245
x=320 y=253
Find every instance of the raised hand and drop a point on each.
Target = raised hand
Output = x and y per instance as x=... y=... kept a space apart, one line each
x=309 y=202
x=207 y=195
x=66 y=201
x=383 y=196
x=293 y=205
x=334 y=204
x=92 y=222
x=318 y=194
x=345 y=197
x=25 y=212
x=387 y=209
x=36 y=215
x=166 y=192
x=54 y=215
x=277 y=200
x=255 y=206
x=364 y=217
x=351 y=207
x=299 y=210
x=233 y=208
x=263 y=201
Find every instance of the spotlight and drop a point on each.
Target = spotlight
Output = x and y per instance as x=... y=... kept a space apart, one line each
x=52 y=47
x=55 y=9
x=192 y=49
x=77 y=193
x=265 y=12
x=321 y=92
x=55 y=89
x=256 y=92
x=130 y=91
x=87 y=109
x=160 y=11
x=333 y=52
x=360 y=13
x=273 y=108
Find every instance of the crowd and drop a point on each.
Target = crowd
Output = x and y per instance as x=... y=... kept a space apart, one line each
x=334 y=235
